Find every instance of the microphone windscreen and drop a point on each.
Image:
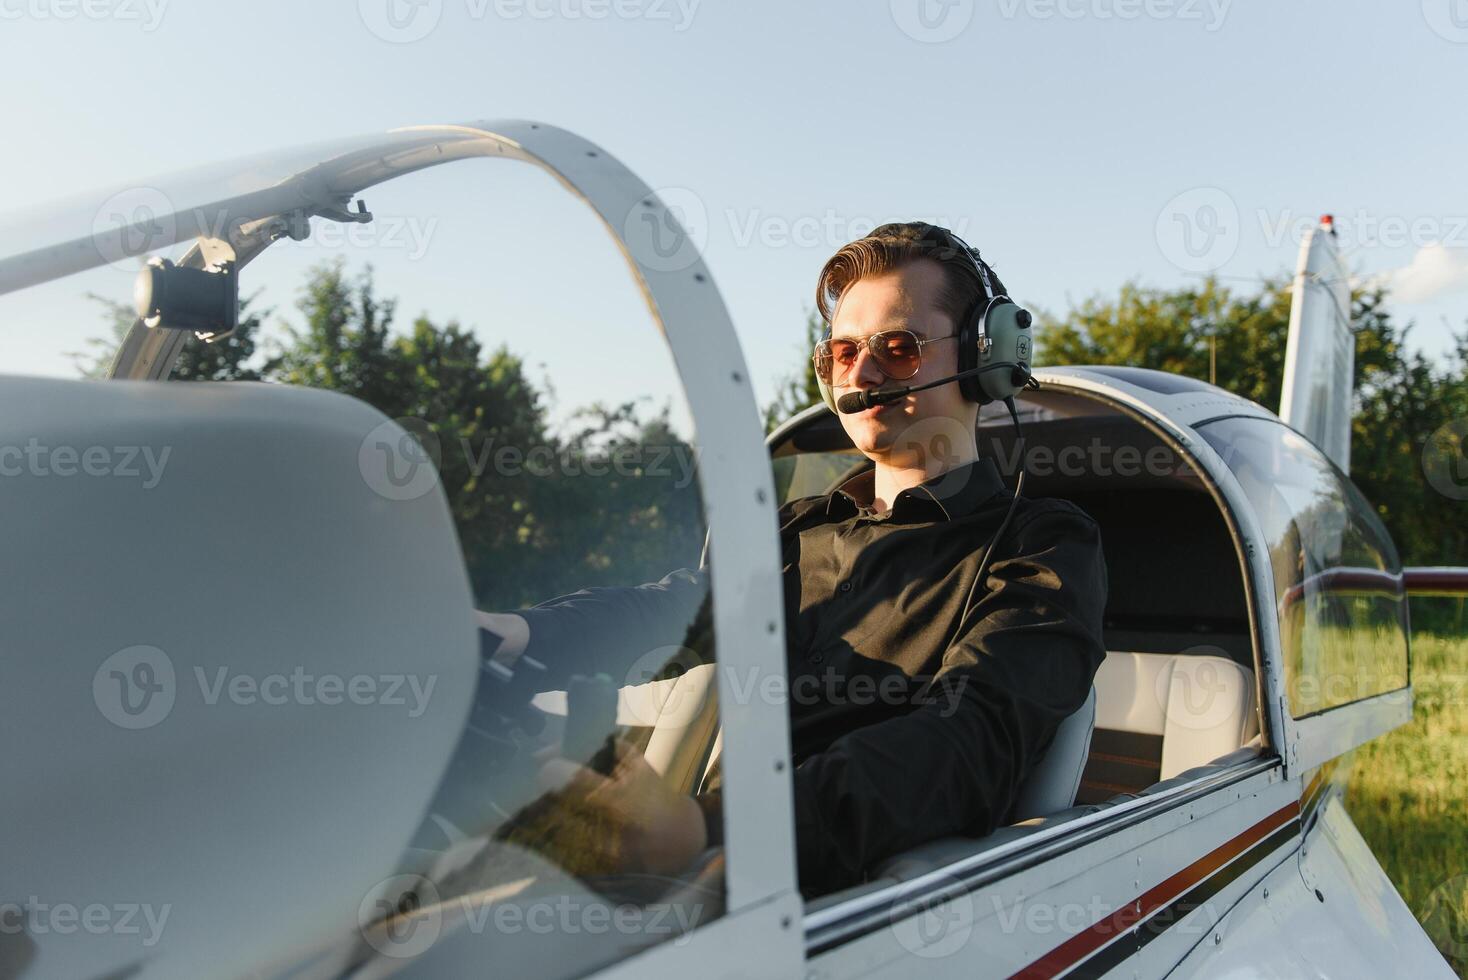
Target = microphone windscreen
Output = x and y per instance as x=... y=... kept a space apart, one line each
x=850 y=403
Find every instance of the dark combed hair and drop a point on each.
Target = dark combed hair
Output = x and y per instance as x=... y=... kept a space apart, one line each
x=893 y=246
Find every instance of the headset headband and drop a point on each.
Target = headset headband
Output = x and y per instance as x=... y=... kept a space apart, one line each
x=986 y=277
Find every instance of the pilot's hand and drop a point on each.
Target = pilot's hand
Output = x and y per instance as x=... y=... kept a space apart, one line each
x=662 y=831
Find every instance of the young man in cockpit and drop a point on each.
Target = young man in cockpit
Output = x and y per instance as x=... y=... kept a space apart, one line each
x=881 y=585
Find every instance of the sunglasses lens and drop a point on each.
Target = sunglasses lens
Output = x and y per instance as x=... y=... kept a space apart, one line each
x=822 y=359
x=834 y=359
x=896 y=352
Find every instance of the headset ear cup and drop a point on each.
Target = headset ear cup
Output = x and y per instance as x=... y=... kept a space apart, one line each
x=1006 y=325
x=827 y=395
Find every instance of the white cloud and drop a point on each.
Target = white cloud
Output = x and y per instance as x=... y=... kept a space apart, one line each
x=1433 y=271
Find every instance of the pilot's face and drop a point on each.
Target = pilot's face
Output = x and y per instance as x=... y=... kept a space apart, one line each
x=901 y=432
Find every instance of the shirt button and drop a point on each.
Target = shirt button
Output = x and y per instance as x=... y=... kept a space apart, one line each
x=845 y=586
x=816 y=658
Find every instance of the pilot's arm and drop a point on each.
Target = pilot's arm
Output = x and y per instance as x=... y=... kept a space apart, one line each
x=607 y=630
x=1024 y=661
x=602 y=629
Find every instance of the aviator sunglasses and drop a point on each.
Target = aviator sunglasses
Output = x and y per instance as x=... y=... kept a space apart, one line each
x=899 y=353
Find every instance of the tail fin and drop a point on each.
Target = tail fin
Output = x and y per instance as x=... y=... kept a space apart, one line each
x=1321 y=351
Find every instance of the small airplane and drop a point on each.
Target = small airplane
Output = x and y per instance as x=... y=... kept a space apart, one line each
x=207 y=779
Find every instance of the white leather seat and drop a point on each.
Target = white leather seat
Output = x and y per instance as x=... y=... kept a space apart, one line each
x=1158 y=714
x=687 y=720
x=1051 y=786
x=681 y=711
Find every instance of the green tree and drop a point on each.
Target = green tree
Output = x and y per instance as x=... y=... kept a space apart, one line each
x=798 y=391
x=224 y=360
x=1170 y=330
x=344 y=343
x=1401 y=397
x=532 y=518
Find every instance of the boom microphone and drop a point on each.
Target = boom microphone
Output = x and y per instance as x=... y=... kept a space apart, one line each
x=858 y=401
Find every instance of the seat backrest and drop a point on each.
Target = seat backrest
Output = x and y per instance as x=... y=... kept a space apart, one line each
x=680 y=716
x=685 y=721
x=1159 y=714
x=1051 y=786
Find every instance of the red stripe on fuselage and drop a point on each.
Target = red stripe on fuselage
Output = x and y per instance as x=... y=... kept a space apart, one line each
x=1083 y=944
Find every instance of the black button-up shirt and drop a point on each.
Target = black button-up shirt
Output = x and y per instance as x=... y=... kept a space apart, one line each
x=908 y=722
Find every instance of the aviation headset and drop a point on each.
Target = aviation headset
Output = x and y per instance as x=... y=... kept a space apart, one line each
x=994 y=332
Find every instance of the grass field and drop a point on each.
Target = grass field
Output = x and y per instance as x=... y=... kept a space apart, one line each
x=1408 y=794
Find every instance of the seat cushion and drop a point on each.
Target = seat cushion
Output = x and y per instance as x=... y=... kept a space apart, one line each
x=1158 y=714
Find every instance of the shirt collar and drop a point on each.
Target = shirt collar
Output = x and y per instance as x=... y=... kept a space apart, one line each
x=955 y=493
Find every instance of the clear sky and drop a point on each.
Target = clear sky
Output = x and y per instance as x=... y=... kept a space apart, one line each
x=1077 y=143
